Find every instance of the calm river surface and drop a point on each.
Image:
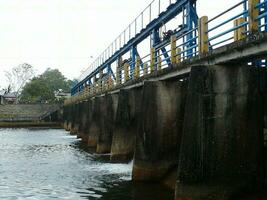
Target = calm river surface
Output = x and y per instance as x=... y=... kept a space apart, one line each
x=51 y=164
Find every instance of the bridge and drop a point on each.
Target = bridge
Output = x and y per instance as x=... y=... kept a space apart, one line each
x=182 y=95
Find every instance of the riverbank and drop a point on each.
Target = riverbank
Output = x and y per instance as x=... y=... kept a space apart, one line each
x=54 y=125
x=28 y=116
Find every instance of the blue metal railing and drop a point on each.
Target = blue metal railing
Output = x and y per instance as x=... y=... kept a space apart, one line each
x=221 y=32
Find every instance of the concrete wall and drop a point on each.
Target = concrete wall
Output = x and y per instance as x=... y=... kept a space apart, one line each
x=202 y=136
x=108 y=113
x=94 y=124
x=221 y=155
x=160 y=130
x=125 y=126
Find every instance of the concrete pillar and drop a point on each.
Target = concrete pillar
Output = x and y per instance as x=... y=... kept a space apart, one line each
x=221 y=153
x=160 y=130
x=75 y=118
x=94 y=127
x=125 y=126
x=66 y=117
x=108 y=113
x=83 y=112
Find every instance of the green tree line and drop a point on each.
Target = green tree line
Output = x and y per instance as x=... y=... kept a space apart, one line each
x=42 y=88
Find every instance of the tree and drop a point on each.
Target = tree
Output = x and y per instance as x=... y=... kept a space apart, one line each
x=18 y=77
x=43 y=87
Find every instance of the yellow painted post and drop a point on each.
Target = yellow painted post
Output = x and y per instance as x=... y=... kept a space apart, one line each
x=100 y=81
x=137 y=67
x=178 y=55
x=236 y=31
x=253 y=14
x=203 y=44
x=94 y=85
x=173 y=49
x=118 y=71
x=111 y=82
x=145 y=69
x=239 y=33
x=126 y=71
x=152 y=59
x=159 y=62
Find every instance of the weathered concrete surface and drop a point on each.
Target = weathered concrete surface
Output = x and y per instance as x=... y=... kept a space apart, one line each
x=66 y=117
x=160 y=130
x=75 y=122
x=71 y=118
x=94 y=125
x=84 y=115
x=125 y=126
x=108 y=111
x=221 y=153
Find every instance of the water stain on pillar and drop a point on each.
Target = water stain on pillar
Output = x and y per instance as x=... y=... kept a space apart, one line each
x=160 y=130
x=221 y=154
x=125 y=126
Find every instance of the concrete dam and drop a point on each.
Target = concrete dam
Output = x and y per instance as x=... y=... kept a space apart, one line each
x=197 y=124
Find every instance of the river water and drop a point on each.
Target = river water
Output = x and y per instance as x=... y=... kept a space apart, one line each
x=50 y=164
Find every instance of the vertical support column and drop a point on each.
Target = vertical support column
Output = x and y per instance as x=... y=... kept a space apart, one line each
x=152 y=60
x=126 y=72
x=100 y=81
x=118 y=71
x=239 y=33
x=145 y=69
x=203 y=43
x=221 y=154
x=173 y=50
x=94 y=85
x=160 y=130
x=178 y=55
x=159 y=63
x=125 y=124
x=253 y=14
x=133 y=61
x=137 y=68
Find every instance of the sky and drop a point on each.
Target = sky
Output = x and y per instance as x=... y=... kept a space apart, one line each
x=68 y=34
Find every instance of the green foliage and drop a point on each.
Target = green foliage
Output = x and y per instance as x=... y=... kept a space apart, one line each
x=42 y=88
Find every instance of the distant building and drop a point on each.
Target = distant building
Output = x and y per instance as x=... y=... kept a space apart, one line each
x=10 y=98
x=61 y=95
x=7 y=98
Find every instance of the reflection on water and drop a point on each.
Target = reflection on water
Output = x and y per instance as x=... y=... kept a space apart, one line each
x=49 y=164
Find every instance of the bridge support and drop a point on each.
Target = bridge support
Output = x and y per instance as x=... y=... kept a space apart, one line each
x=83 y=127
x=160 y=130
x=67 y=117
x=125 y=128
x=107 y=116
x=221 y=153
x=75 y=119
x=94 y=122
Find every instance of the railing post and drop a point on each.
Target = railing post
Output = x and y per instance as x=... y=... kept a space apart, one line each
x=152 y=59
x=137 y=67
x=178 y=55
x=203 y=44
x=239 y=33
x=110 y=82
x=118 y=71
x=173 y=49
x=100 y=80
x=253 y=14
x=95 y=85
x=126 y=72
x=145 y=69
x=159 y=62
